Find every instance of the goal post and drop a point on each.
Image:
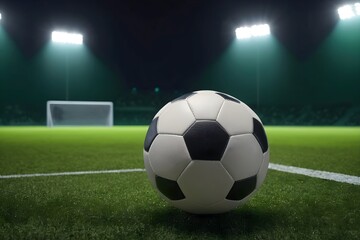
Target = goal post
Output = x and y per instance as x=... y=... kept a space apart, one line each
x=79 y=113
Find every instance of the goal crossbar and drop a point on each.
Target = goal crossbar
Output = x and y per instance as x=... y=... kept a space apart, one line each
x=79 y=113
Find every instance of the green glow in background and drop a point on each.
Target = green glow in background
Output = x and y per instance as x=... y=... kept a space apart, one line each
x=330 y=75
x=30 y=82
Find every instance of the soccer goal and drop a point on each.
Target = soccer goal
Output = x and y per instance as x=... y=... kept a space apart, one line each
x=76 y=113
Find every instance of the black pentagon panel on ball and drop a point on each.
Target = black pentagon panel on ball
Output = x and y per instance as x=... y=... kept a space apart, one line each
x=151 y=134
x=260 y=135
x=206 y=140
x=169 y=188
x=242 y=188
x=183 y=97
x=228 y=97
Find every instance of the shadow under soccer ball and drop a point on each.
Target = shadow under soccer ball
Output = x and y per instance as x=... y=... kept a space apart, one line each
x=242 y=222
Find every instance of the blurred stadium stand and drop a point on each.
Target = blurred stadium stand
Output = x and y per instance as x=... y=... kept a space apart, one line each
x=138 y=108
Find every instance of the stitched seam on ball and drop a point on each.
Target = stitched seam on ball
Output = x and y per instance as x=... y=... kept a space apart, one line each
x=190 y=109
x=217 y=116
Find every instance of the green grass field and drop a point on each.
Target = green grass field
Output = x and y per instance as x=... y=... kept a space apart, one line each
x=124 y=206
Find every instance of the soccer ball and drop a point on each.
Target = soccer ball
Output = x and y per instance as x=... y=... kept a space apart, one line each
x=206 y=152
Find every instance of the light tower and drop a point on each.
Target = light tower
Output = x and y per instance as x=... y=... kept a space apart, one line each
x=249 y=32
x=67 y=38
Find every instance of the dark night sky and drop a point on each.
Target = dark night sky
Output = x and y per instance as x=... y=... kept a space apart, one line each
x=165 y=42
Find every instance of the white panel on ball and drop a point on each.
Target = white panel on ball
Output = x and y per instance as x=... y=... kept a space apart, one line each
x=224 y=206
x=176 y=118
x=251 y=112
x=162 y=110
x=205 y=104
x=242 y=157
x=149 y=170
x=169 y=156
x=235 y=118
x=151 y=174
x=205 y=182
x=189 y=206
x=263 y=169
x=205 y=91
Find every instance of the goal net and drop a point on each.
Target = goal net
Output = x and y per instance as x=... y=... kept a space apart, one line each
x=76 y=113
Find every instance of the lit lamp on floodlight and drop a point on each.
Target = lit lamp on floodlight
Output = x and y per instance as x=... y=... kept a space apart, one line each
x=67 y=38
x=349 y=11
x=0 y=16
x=253 y=31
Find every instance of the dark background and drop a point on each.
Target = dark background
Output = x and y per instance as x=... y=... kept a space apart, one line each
x=144 y=53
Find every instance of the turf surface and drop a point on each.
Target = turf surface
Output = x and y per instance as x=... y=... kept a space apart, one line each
x=335 y=149
x=39 y=149
x=123 y=206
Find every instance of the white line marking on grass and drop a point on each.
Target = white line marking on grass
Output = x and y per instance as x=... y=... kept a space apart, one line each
x=338 y=177
x=71 y=173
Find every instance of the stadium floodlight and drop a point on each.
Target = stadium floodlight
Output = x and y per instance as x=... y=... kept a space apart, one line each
x=349 y=11
x=346 y=12
x=357 y=8
x=78 y=113
x=0 y=16
x=253 y=31
x=67 y=38
x=243 y=32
